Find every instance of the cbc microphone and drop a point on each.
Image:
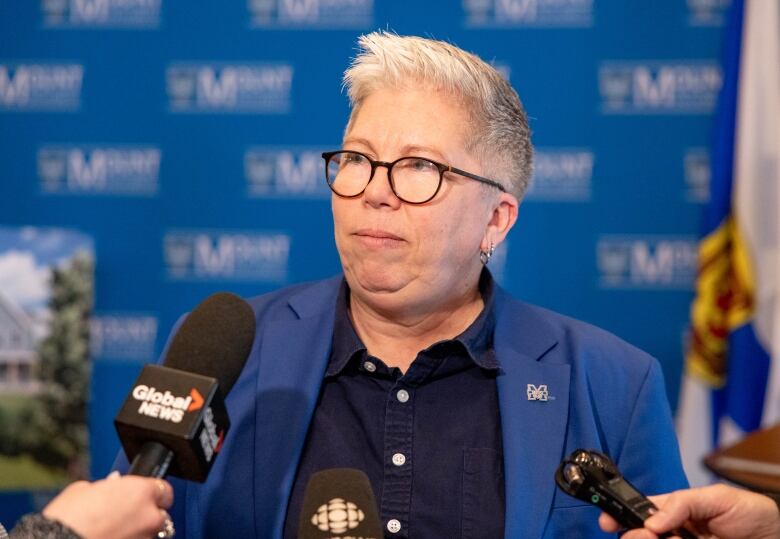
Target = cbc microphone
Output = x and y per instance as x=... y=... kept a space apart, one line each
x=174 y=420
x=339 y=504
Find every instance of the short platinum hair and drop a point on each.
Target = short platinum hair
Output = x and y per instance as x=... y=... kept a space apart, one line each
x=501 y=138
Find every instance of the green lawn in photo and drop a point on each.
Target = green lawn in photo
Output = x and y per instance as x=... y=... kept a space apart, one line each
x=23 y=473
x=13 y=402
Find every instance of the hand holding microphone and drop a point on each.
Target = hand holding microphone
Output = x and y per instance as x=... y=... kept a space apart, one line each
x=714 y=512
x=117 y=507
x=717 y=511
x=591 y=476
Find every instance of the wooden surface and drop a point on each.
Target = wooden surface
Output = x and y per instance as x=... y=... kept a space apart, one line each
x=754 y=462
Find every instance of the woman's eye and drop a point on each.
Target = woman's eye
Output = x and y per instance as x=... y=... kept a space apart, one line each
x=354 y=159
x=420 y=165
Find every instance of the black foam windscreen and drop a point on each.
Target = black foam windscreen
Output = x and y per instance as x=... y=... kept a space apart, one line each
x=339 y=502
x=214 y=340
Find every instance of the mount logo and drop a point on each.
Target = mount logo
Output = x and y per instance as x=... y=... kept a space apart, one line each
x=99 y=170
x=647 y=261
x=219 y=255
x=707 y=12
x=323 y=14
x=123 y=336
x=41 y=86
x=538 y=393
x=521 y=13
x=285 y=173
x=221 y=87
x=562 y=174
x=653 y=87
x=698 y=172
x=101 y=13
x=165 y=405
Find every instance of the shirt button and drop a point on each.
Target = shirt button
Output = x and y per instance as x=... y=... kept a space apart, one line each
x=393 y=526
x=399 y=459
x=402 y=395
x=370 y=367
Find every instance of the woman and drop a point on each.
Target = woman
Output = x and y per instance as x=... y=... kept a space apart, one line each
x=457 y=401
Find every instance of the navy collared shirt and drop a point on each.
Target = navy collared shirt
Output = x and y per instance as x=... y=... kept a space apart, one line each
x=429 y=440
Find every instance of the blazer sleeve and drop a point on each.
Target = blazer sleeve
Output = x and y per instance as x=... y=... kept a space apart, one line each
x=650 y=456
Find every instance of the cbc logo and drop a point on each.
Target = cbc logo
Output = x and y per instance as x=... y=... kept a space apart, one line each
x=337 y=516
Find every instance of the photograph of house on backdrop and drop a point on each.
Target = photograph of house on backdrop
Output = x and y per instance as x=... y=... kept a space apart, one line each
x=46 y=293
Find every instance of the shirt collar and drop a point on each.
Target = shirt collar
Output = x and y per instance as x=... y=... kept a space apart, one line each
x=346 y=342
x=477 y=339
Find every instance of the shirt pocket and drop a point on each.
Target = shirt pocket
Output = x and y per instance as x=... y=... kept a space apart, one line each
x=483 y=494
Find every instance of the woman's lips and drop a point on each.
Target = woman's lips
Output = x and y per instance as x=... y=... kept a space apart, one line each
x=378 y=238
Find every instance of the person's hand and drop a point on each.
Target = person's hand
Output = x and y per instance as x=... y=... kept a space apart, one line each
x=714 y=512
x=128 y=507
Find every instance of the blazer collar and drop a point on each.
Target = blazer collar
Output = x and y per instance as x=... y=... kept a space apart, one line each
x=293 y=355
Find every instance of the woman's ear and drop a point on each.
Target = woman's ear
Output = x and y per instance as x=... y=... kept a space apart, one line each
x=503 y=218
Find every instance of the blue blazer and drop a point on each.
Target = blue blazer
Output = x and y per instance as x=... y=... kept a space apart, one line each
x=603 y=394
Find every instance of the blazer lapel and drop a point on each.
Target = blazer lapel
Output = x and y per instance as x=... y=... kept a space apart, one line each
x=293 y=358
x=533 y=396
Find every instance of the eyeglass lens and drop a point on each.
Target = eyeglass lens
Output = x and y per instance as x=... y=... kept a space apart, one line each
x=413 y=179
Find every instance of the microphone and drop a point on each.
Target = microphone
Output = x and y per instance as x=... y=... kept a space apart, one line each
x=592 y=477
x=339 y=504
x=175 y=420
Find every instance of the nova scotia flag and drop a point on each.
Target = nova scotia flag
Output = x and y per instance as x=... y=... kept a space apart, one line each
x=731 y=384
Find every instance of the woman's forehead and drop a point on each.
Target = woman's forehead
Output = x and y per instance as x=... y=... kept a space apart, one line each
x=410 y=119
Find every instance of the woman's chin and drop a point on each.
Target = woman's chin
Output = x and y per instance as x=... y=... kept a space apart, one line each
x=377 y=279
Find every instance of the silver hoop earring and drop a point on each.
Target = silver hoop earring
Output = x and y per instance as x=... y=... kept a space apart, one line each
x=484 y=257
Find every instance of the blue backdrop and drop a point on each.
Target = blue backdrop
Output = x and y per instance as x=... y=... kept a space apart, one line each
x=184 y=137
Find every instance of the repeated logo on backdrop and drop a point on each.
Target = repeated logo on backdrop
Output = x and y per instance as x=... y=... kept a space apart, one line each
x=291 y=172
x=707 y=12
x=101 y=13
x=696 y=165
x=229 y=87
x=562 y=174
x=654 y=87
x=518 y=13
x=123 y=336
x=628 y=261
x=40 y=86
x=292 y=14
x=213 y=255
x=99 y=169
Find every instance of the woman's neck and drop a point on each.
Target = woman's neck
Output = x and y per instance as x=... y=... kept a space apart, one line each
x=397 y=337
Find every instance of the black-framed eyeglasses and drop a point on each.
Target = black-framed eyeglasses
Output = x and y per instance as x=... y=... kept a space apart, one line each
x=415 y=180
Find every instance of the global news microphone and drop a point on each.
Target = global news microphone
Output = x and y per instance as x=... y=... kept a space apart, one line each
x=456 y=400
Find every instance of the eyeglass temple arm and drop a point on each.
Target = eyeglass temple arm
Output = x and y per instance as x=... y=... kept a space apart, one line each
x=477 y=178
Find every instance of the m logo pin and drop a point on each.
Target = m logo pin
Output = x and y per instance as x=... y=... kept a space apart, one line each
x=538 y=393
